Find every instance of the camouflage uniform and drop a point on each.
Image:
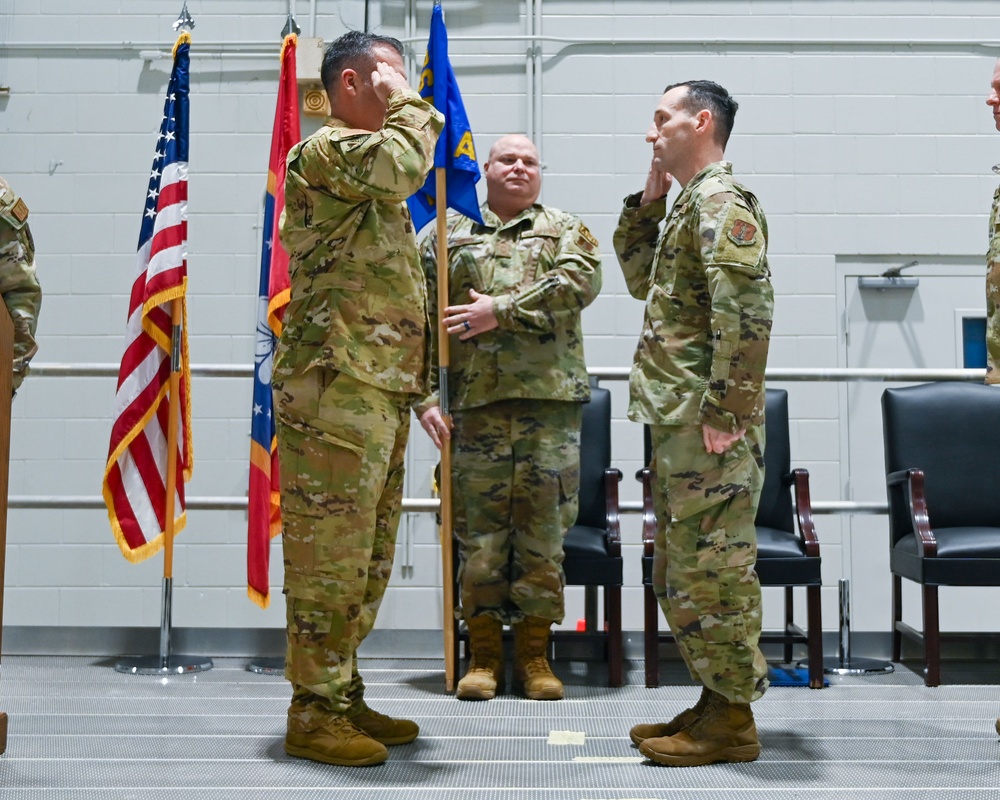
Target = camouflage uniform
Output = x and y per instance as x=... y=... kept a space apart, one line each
x=700 y=360
x=18 y=283
x=993 y=294
x=515 y=398
x=351 y=359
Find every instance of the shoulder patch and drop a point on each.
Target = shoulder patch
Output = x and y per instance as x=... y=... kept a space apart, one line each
x=742 y=232
x=585 y=239
x=14 y=210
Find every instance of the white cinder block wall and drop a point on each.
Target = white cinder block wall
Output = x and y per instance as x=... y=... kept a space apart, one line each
x=862 y=129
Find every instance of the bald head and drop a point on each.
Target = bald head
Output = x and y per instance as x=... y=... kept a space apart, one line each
x=513 y=176
x=993 y=98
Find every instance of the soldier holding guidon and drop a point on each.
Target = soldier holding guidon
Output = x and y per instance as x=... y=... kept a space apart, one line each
x=518 y=284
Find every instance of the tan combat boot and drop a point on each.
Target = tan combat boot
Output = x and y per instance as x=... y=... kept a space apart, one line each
x=383 y=729
x=656 y=730
x=485 y=675
x=724 y=732
x=338 y=742
x=531 y=666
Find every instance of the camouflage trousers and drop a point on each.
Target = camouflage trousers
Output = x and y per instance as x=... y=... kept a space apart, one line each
x=516 y=491
x=341 y=444
x=704 y=556
x=993 y=295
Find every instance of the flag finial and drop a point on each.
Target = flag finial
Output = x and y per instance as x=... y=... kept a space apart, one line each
x=184 y=20
x=291 y=26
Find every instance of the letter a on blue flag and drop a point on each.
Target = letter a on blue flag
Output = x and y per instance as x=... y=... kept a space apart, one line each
x=455 y=149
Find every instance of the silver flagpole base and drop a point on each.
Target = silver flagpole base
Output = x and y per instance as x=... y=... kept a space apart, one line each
x=268 y=666
x=844 y=663
x=164 y=663
x=172 y=665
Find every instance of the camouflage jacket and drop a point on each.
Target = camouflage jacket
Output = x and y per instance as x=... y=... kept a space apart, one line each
x=358 y=299
x=18 y=283
x=709 y=303
x=993 y=295
x=541 y=268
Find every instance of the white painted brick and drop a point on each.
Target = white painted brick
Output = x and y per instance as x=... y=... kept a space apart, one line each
x=30 y=606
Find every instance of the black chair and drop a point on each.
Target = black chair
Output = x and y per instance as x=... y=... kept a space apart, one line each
x=942 y=442
x=787 y=555
x=593 y=545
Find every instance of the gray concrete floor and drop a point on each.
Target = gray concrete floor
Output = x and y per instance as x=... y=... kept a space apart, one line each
x=81 y=731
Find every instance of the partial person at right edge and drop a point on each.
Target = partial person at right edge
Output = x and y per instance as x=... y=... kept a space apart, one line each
x=18 y=282
x=698 y=382
x=993 y=260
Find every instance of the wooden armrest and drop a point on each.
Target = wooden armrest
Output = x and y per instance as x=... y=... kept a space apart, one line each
x=918 y=513
x=612 y=477
x=803 y=512
x=645 y=476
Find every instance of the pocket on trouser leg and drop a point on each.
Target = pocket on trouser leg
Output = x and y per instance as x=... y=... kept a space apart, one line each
x=327 y=514
x=691 y=493
x=320 y=655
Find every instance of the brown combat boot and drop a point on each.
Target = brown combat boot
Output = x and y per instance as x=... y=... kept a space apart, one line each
x=383 y=729
x=485 y=675
x=998 y=725
x=656 y=730
x=531 y=666
x=338 y=742
x=724 y=732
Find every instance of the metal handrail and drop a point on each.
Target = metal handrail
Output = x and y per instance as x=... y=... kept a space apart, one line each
x=819 y=374
x=428 y=504
x=410 y=504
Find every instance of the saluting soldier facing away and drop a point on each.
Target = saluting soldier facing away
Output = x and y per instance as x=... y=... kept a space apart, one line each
x=18 y=282
x=518 y=286
x=698 y=382
x=351 y=361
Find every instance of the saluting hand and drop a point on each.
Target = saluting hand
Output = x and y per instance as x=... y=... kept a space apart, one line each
x=657 y=185
x=385 y=79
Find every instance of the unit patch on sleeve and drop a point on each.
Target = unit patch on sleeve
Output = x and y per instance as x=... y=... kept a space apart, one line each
x=585 y=239
x=742 y=232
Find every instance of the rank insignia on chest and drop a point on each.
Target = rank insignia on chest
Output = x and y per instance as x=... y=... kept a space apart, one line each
x=742 y=232
x=503 y=249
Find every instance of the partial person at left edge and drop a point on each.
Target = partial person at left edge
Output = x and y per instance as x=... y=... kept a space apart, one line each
x=19 y=286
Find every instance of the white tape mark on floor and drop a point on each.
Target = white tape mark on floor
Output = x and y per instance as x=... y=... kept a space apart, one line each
x=567 y=737
x=609 y=759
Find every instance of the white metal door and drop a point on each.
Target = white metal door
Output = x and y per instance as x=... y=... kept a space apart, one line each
x=920 y=327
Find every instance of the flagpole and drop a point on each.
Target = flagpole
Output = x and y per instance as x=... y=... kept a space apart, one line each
x=166 y=664
x=444 y=361
x=173 y=413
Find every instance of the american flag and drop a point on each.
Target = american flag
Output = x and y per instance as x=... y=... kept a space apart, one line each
x=264 y=518
x=135 y=489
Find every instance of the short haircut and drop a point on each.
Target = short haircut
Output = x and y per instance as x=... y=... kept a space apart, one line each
x=353 y=50
x=708 y=94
